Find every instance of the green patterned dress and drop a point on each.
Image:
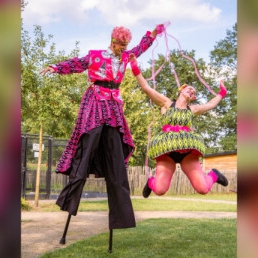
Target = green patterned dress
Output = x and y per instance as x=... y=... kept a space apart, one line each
x=179 y=139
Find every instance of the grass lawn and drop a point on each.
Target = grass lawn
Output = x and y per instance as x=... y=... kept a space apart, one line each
x=165 y=238
x=179 y=203
x=188 y=238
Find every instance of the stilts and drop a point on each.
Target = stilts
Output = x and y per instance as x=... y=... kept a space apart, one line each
x=110 y=241
x=63 y=238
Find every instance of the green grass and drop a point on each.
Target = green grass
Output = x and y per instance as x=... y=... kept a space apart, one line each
x=158 y=204
x=214 y=238
x=180 y=205
x=160 y=238
x=25 y=206
x=209 y=196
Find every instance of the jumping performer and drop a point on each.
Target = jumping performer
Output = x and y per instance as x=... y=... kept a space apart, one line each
x=101 y=142
x=177 y=142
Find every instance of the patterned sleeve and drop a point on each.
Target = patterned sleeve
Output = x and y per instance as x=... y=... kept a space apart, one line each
x=144 y=44
x=74 y=65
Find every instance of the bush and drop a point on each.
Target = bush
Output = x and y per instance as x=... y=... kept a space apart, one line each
x=25 y=206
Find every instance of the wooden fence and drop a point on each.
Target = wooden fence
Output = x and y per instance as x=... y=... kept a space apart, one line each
x=180 y=184
x=137 y=180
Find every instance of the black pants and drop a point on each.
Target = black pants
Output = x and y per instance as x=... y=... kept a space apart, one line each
x=104 y=142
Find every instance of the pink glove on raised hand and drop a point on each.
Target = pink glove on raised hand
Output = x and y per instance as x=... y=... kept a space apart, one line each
x=223 y=90
x=133 y=62
x=160 y=28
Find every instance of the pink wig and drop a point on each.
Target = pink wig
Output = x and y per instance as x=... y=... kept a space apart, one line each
x=121 y=34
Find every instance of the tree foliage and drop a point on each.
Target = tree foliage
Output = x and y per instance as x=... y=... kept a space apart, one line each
x=224 y=63
x=218 y=126
x=139 y=115
x=52 y=100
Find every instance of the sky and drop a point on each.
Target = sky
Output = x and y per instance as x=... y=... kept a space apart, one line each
x=196 y=24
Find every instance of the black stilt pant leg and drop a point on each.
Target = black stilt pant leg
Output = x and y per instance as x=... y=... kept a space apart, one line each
x=69 y=198
x=121 y=213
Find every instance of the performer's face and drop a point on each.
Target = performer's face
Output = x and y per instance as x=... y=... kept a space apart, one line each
x=190 y=92
x=118 y=48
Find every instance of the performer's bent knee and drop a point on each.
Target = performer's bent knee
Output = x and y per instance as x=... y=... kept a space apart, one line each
x=202 y=190
x=160 y=190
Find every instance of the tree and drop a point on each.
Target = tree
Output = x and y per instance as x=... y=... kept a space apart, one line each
x=224 y=64
x=138 y=114
x=218 y=127
x=166 y=84
x=141 y=113
x=54 y=99
x=49 y=104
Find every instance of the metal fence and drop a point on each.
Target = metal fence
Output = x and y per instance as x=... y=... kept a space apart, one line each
x=52 y=183
x=51 y=152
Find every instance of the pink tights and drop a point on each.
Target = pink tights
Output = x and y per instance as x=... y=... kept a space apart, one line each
x=210 y=179
x=151 y=183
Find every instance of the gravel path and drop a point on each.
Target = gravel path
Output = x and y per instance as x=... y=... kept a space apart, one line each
x=41 y=231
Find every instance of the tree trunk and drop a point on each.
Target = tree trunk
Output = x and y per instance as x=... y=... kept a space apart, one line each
x=39 y=166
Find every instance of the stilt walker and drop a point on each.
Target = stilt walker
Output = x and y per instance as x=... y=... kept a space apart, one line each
x=101 y=142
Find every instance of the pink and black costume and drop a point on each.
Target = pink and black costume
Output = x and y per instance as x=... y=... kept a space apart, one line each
x=101 y=142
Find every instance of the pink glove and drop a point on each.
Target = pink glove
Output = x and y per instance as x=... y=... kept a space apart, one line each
x=223 y=90
x=160 y=28
x=133 y=62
